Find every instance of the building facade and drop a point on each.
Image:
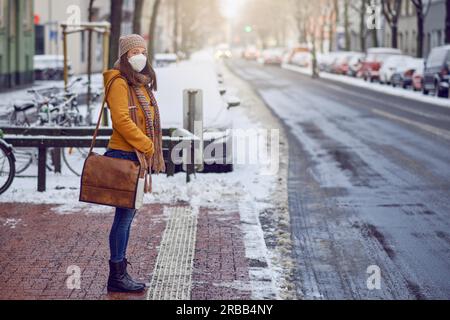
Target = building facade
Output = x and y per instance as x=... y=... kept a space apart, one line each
x=50 y=13
x=434 y=28
x=16 y=43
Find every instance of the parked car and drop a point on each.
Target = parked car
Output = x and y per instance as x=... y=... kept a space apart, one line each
x=302 y=59
x=391 y=65
x=417 y=78
x=341 y=63
x=404 y=74
x=436 y=72
x=272 y=56
x=328 y=59
x=355 y=64
x=374 y=59
x=296 y=54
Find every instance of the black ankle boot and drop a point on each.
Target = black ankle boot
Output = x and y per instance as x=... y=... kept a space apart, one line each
x=118 y=281
x=126 y=262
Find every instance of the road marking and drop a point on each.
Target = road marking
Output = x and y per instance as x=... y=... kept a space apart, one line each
x=172 y=275
x=436 y=131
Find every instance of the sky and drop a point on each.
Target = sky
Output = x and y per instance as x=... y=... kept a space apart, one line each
x=230 y=8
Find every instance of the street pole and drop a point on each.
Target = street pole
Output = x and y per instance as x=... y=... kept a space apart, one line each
x=106 y=34
x=65 y=56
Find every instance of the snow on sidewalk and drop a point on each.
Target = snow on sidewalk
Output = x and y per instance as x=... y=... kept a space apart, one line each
x=374 y=86
x=247 y=191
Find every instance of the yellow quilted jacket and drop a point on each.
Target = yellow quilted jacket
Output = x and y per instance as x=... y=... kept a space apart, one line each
x=126 y=134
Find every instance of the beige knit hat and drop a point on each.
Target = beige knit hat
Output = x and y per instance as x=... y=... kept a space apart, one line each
x=129 y=42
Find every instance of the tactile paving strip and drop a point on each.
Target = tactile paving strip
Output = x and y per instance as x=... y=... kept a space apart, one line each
x=172 y=276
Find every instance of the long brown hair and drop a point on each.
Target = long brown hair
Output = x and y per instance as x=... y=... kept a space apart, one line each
x=128 y=72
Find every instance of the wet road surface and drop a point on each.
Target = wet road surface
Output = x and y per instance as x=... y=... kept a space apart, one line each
x=369 y=185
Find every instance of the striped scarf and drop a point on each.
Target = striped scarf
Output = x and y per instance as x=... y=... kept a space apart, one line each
x=152 y=126
x=153 y=131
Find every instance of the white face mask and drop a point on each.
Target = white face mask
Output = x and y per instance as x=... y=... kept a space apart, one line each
x=138 y=62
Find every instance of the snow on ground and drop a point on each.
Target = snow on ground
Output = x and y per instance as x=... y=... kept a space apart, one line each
x=248 y=186
x=270 y=213
x=399 y=92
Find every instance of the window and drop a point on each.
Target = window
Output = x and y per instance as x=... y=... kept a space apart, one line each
x=39 y=39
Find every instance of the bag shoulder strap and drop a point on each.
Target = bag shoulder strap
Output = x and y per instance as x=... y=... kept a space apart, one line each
x=131 y=107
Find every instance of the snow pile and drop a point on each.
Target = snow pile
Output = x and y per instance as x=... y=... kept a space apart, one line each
x=399 y=92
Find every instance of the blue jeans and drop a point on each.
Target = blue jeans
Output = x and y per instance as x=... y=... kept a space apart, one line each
x=120 y=230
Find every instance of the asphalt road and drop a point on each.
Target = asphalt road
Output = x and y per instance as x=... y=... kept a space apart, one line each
x=369 y=185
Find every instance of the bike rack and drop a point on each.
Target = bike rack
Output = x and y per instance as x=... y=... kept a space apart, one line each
x=64 y=137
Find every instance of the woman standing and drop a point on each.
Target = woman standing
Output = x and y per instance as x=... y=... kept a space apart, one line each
x=131 y=71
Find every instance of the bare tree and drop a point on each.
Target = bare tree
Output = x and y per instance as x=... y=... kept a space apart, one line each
x=391 y=11
x=347 y=25
x=301 y=20
x=151 y=33
x=116 y=22
x=422 y=10
x=334 y=23
x=176 y=24
x=374 y=31
x=137 y=16
x=361 y=9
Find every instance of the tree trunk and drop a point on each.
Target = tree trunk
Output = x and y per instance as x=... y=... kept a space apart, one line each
x=347 y=26
x=151 y=33
x=394 y=35
x=322 y=37
x=447 y=22
x=362 y=25
x=391 y=11
x=116 y=22
x=176 y=9
x=420 y=34
x=137 y=16
x=375 y=38
x=334 y=20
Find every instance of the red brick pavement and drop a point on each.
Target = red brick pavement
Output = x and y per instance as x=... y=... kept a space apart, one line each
x=35 y=254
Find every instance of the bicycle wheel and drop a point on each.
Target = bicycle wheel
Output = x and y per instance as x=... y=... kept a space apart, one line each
x=24 y=158
x=7 y=168
x=74 y=158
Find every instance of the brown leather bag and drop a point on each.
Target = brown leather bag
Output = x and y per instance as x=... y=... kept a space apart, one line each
x=113 y=181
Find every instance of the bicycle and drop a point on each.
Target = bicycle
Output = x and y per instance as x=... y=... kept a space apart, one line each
x=7 y=164
x=48 y=102
x=42 y=100
x=74 y=157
